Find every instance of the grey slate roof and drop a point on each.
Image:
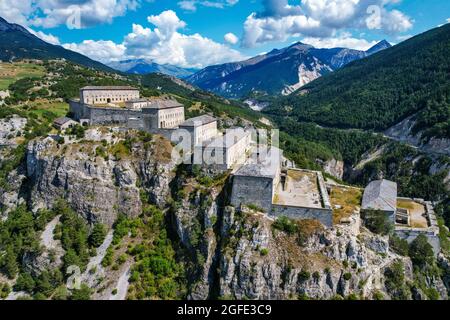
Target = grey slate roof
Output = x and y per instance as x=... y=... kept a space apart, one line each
x=380 y=195
x=62 y=120
x=138 y=100
x=108 y=88
x=267 y=168
x=164 y=104
x=198 y=121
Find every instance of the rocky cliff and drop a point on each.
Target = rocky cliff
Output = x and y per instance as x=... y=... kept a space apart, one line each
x=403 y=131
x=226 y=253
x=97 y=184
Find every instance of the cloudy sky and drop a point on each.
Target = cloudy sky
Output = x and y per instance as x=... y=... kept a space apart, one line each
x=197 y=33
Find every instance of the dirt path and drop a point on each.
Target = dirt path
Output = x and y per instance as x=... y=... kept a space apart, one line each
x=122 y=286
x=47 y=235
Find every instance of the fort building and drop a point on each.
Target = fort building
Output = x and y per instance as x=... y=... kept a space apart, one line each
x=201 y=128
x=410 y=217
x=163 y=114
x=381 y=195
x=122 y=105
x=282 y=191
x=95 y=95
x=64 y=123
x=137 y=104
x=225 y=151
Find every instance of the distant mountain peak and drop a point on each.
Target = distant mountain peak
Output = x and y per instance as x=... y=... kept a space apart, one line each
x=383 y=44
x=145 y=66
x=278 y=72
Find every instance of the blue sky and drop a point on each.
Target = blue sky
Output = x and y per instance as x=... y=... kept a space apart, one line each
x=191 y=33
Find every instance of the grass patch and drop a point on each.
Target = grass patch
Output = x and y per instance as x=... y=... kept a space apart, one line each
x=348 y=199
x=11 y=72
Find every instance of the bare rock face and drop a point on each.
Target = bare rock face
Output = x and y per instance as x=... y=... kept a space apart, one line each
x=193 y=221
x=11 y=128
x=334 y=167
x=258 y=262
x=11 y=195
x=99 y=188
x=403 y=132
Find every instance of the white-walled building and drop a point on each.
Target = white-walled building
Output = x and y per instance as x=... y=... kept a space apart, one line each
x=226 y=151
x=107 y=94
x=137 y=104
x=163 y=114
x=201 y=128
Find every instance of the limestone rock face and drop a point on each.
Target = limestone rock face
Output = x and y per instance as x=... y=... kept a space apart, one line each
x=267 y=264
x=96 y=187
x=403 y=132
x=11 y=195
x=193 y=221
x=335 y=168
x=11 y=128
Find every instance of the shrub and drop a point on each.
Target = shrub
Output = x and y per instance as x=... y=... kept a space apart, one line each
x=77 y=131
x=421 y=252
x=303 y=296
x=98 y=235
x=377 y=222
x=286 y=225
x=25 y=282
x=304 y=276
x=377 y=295
x=399 y=246
x=264 y=252
x=316 y=275
x=84 y=293
x=395 y=281
x=347 y=276
x=254 y=207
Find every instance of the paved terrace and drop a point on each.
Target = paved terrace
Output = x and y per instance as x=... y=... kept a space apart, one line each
x=301 y=189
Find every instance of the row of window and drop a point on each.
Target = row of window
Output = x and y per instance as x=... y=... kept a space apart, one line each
x=112 y=99
x=173 y=115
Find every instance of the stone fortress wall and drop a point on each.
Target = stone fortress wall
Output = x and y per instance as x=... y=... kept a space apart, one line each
x=432 y=232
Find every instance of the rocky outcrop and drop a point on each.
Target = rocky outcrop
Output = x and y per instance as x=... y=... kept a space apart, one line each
x=99 y=188
x=49 y=256
x=258 y=262
x=403 y=132
x=12 y=195
x=334 y=167
x=10 y=129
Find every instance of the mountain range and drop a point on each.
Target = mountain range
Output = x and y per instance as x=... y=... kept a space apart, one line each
x=410 y=81
x=16 y=42
x=143 y=66
x=277 y=72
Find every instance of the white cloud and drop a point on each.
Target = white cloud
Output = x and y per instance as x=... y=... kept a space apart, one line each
x=345 y=41
x=103 y=51
x=15 y=11
x=47 y=37
x=321 y=18
x=231 y=38
x=51 y=13
x=191 y=5
x=163 y=44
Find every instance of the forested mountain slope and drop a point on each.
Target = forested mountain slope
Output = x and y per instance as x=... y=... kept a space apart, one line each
x=18 y=43
x=383 y=89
